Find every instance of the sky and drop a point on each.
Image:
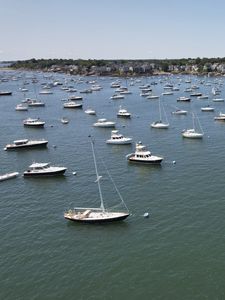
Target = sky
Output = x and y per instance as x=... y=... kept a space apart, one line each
x=111 y=29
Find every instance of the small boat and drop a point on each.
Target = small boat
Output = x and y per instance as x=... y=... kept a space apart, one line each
x=43 y=169
x=8 y=176
x=192 y=133
x=152 y=97
x=64 y=120
x=183 y=99
x=207 y=108
x=143 y=155
x=221 y=117
x=5 y=93
x=104 y=123
x=33 y=122
x=159 y=124
x=118 y=139
x=99 y=214
x=179 y=112
x=86 y=91
x=75 y=98
x=45 y=92
x=35 y=103
x=90 y=111
x=218 y=100
x=203 y=97
x=117 y=96
x=196 y=94
x=167 y=93
x=123 y=113
x=25 y=143
x=72 y=104
x=21 y=107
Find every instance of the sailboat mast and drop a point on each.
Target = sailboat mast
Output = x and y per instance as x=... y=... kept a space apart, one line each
x=160 y=113
x=98 y=178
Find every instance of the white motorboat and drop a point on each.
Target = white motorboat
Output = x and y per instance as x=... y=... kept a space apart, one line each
x=43 y=169
x=167 y=93
x=104 y=123
x=203 y=97
x=118 y=139
x=72 y=104
x=35 y=103
x=143 y=155
x=25 y=143
x=33 y=122
x=220 y=117
x=123 y=113
x=75 y=98
x=21 y=107
x=90 y=111
x=183 y=99
x=99 y=214
x=8 y=176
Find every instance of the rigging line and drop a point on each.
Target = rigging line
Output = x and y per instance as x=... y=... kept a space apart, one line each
x=118 y=192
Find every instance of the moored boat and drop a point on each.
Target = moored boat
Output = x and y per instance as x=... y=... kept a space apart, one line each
x=8 y=176
x=25 y=143
x=43 y=169
x=118 y=139
x=143 y=155
x=33 y=122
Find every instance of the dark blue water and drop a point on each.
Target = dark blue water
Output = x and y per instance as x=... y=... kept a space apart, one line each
x=177 y=253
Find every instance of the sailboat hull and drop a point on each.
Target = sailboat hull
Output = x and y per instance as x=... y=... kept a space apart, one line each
x=95 y=217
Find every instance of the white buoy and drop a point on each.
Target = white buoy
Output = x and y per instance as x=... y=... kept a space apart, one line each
x=74 y=173
x=174 y=162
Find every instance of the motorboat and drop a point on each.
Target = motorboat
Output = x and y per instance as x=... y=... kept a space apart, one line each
x=25 y=143
x=8 y=176
x=35 y=103
x=196 y=94
x=123 y=113
x=90 y=111
x=118 y=139
x=33 y=122
x=98 y=214
x=203 y=97
x=220 y=117
x=192 y=134
x=72 y=104
x=21 y=107
x=183 y=99
x=75 y=98
x=43 y=169
x=179 y=112
x=104 y=123
x=143 y=155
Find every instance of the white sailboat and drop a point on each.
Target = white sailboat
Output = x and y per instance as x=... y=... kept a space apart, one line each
x=99 y=214
x=160 y=124
x=192 y=133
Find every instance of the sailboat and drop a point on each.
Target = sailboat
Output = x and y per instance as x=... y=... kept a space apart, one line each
x=98 y=214
x=192 y=133
x=159 y=124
